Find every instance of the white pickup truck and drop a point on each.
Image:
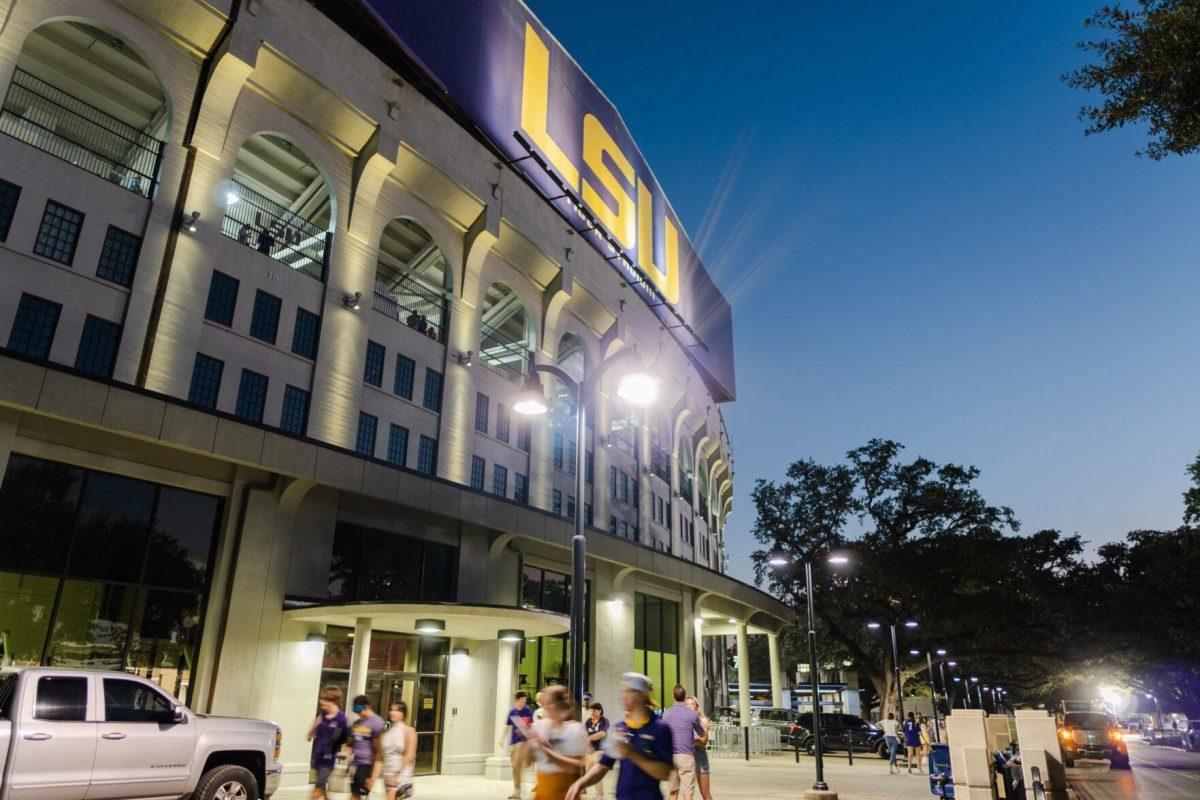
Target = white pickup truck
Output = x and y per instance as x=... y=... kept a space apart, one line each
x=70 y=734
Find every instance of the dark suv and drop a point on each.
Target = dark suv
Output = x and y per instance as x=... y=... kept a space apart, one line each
x=1091 y=734
x=838 y=732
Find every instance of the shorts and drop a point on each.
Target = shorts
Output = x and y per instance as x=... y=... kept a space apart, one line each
x=359 y=773
x=683 y=776
x=702 y=765
x=321 y=776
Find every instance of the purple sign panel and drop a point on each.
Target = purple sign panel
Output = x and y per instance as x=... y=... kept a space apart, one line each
x=501 y=66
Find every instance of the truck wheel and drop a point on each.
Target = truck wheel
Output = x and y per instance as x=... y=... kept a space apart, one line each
x=227 y=782
x=1120 y=763
x=882 y=751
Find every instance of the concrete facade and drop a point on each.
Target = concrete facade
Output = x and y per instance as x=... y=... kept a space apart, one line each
x=383 y=150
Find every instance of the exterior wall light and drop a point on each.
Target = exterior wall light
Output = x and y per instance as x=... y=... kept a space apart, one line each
x=230 y=198
x=315 y=638
x=510 y=635
x=188 y=221
x=465 y=359
x=460 y=651
x=351 y=301
x=431 y=626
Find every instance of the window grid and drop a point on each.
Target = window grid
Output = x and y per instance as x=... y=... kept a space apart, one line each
x=397 y=449
x=98 y=347
x=264 y=322
x=478 y=469
x=502 y=422
x=427 y=456
x=33 y=328
x=118 y=258
x=499 y=480
x=433 y=390
x=9 y=194
x=252 y=396
x=570 y=506
x=612 y=482
x=294 y=416
x=558 y=450
x=406 y=370
x=364 y=443
x=222 y=299
x=59 y=233
x=206 y=381
x=587 y=514
x=556 y=502
x=373 y=365
x=304 y=333
x=481 y=412
x=524 y=428
x=572 y=458
x=520 y=488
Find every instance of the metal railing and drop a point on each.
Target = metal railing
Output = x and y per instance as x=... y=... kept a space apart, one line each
x=509 y=358
x=403 y=298
x=685 y=487
x=734 y=741
x=55 y=122
x=660 y=463
x=277 y=231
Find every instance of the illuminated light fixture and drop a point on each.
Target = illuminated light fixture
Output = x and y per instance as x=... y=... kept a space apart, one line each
x=941 y=652
x=230 y=198
x=531 y=401
x=351 y=301
x=510 y=635
x=974 y=680
x=431 y=626
x=914 y=652
x=912 y=623
x=957 y=679
x=952 y=663
x=465 y=359
x=460 y=651
x=733 y=621
x=315 y=638
x=838 y=559
x=873 y=626
x=639 y=389
x=188 y=221
x=777 y=559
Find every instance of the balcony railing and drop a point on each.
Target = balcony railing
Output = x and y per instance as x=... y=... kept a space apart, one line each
x=46 y=117
x=685 y=487
x=703 y=507
x=403 y=298
x=502 y=354
x=276 y=231
x=660 y=463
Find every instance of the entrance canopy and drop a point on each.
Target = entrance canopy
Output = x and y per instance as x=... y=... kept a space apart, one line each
x=459 y=620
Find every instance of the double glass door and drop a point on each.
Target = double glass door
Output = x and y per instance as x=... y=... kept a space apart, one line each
x=423 y=695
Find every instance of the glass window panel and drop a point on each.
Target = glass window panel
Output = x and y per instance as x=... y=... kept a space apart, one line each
x=527 y=670
x=434 y=651
x=653 y=623
x=554 y=660
x=531 y=586
x=37 y=511
x=556 y=592
x=206 y=381
x=181 y=541
x=437 y=580
x=61 y=699
x=118 y=259
x=58 y=233
x=304 y=333
x=655 y=673
x=9 y=192
x=639 y=660
x=670 y=627
x=391 y=570
x=131 y=701
x=92 y=625
x=33 y=326
x=389 y=652
x=639 y=621
x=111 y=532
x=26 y=602
x=670 y=676
x=166 y=633
x=338 y=644
x=344 y=566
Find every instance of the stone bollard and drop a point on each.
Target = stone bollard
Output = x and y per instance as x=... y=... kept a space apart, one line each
x=970 y=754
x=1037 y=734
x=999 y=734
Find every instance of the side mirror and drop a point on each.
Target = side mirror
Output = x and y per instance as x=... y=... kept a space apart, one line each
x=177 y=715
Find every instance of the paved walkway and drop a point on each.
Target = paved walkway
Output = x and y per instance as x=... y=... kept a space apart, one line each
x=733 y=779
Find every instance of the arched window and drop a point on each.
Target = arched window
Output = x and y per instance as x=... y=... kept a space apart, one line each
x=83 y=95
x=572 y=359
x=412 y=278
x=506 y=333
x=279 y=203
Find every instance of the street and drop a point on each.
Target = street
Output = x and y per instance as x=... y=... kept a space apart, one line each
x=1158 y=773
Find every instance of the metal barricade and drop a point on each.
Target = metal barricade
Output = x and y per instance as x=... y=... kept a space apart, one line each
x=732 y=741
x=1039 y=788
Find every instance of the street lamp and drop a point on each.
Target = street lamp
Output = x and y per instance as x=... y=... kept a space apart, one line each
x=980 y=696
x=910 y=624
x=637 y=388
x=1157 y=712
x=937 y=737
x=779 y=559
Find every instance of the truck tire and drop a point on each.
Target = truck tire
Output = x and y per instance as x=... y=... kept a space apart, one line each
x=1119 y=763
x=881 y=750
x=227 y=782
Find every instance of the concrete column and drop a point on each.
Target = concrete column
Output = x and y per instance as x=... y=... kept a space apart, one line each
x=698 y=641
x=360 y=655
x=966 y=733
x=743 y=655
x=1041 y=748
x=776 y=672
x=8 y=433
x=498 y=766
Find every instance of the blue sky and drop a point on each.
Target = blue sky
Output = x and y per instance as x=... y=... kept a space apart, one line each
x=919 y=243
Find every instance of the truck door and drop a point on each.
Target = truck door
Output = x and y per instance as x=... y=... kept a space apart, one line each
x=55 y=741
x=140 y=751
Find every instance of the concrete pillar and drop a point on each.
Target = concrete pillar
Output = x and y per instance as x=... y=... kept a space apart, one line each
x=1040 y=747
x=743 y=656
x=8 y=433
x=698 y=640
x=498 y=766
x=360 y=655
x=776 y=672
x=966 y=733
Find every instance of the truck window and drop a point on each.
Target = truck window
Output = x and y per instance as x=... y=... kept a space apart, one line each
x=8 y=687
x=61 y=699
x=131 y=701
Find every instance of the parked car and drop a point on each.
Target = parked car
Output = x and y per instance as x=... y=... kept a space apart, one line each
x=1092 y=734
x=1190 y=736
x=68 y=733
x=838 y=732
x=780 y=718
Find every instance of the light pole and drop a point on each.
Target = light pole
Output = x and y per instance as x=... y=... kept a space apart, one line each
x=638 y=389
x=966 y=699
x=1157 y=712
x=896 y=661
x=932 y=688
x=779 y=559
x=975 y=681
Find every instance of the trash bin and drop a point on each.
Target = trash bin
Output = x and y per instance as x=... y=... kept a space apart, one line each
x=941 y=781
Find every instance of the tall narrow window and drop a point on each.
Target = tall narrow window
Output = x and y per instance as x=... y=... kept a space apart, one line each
x=499 y=480
x=294 y=416
x=502 y=422
x=33 y=328
x=478 y=470
x=252 y=396
x=556 y=502
x=427 y=456
x=9 y=194
x=612 y=482
x=98 y=347
x=58 y=233
x=305 y=334
x=373 y=364
x=570 y=506
x=587 y=514
x=364 y=442
x=572 y=458
x=118 y=259
x=222 y=297
x=406 y=369
x=481 y=412
x=264 y=323
x=558 y=450
x=206 y=381
x=524 y=429
x=397 y=452
x=521 y=488
x=433 y=390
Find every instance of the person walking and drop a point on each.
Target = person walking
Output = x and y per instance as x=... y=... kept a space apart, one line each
x=640 y=742
x=597 y=728
x=891 y=735
x=512 y=734
x=926 y=736
x=703 y=769
x=327 y=733
x=397 y=753
x=363 y=746
x=685 y=726
x=558 y=744
x=912 y=741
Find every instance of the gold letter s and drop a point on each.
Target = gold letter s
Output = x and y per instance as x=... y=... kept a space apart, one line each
x=597 y=142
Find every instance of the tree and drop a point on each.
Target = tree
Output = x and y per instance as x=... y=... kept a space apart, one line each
x=1148 y=71
x=928 y=546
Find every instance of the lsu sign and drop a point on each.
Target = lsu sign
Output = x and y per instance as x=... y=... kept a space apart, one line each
x=504 y=70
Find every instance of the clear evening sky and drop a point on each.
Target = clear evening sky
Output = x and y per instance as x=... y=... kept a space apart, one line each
x=920 y=244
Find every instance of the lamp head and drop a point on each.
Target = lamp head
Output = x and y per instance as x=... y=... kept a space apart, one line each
x=639 y=389
x=777 y=559
x=531 y=401
x=914 y=652
x=912 y=623
x=873 y=626
x=941 y=652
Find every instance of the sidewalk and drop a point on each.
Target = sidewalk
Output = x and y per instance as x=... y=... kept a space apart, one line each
x=732 y=779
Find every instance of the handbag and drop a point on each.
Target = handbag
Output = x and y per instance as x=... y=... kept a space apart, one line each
x=339 y=779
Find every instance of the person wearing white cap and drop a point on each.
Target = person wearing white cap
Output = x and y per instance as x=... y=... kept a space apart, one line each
x=641 y=742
